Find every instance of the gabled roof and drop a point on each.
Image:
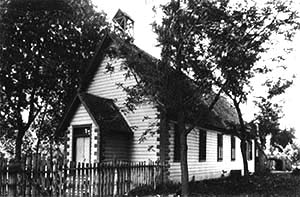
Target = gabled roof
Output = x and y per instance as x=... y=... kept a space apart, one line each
x=223 y=111
x=129 y=49
x=103 y=112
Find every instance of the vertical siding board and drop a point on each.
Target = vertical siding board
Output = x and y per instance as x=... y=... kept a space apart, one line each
x=78 y=179
x=73 y=178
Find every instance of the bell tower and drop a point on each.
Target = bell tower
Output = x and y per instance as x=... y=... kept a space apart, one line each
x=124 y=25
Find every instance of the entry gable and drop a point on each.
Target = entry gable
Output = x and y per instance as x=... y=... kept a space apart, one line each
x=103 y=112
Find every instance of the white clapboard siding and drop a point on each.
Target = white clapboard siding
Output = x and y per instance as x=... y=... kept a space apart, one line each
x=104 y=84
x=211 y=168
x=81 y=117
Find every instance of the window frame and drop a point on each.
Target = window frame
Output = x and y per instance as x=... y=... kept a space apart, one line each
x=249 y=150
x=219 y=147
x=202 y=145
x=176 y=157
x=233 y=148
x=77 y=134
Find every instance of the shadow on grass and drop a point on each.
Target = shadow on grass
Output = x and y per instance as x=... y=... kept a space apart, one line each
x=285 y=184
x=269 y=184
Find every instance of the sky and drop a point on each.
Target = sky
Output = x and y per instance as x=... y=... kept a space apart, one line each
x=141 y=12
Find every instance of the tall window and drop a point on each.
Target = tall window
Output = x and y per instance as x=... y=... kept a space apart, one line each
x=220 y=147
x=249 y=152
x=232 y=148
x=202 y=145
x=176 y=144
x=81 y=144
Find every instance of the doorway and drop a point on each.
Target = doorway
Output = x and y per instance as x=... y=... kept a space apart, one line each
x=81 y=144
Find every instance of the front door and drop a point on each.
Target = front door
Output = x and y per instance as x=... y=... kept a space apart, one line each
x=83 y=149
x=81 y=144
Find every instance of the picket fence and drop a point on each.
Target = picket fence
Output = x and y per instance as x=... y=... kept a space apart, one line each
x=40 y=177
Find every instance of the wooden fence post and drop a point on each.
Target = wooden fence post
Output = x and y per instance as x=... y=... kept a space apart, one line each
x=37 y=177
x=14 y=169
x=115 y=177
x=3 y=176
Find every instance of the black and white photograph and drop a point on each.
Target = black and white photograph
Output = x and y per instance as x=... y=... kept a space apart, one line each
x=149 y=98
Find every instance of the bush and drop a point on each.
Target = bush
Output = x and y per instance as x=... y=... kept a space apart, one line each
x=141 y=191
x=296 y=172
x=166 y=188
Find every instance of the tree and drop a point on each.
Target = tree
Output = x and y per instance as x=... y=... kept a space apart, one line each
x=44 y=46
x=294 y=153
x=179 y=96
x=206 y=45
x=179 y=40
x=215 y=45
x=266 y=121
x=237 y=36
x=283 y=138
x=269 y=114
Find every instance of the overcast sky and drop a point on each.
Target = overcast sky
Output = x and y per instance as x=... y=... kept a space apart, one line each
x=141 y=12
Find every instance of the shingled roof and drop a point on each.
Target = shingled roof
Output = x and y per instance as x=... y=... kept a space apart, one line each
x=103 y=112
x=222 y=112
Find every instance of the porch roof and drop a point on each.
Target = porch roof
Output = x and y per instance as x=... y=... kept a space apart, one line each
x=103 y=112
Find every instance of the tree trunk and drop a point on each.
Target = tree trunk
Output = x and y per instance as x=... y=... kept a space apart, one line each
x=244 y=156
x=19 y=142
x=37 y=149
x=261 y=163
x=38 y=146
x=184 y=165
x=183 y=155
x=163 y=135
x=242 y=137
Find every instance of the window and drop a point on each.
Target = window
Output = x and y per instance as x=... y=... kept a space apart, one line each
x=81 y=144
x=202 y=145
x=232 y=148
x=249 y=152
x=176 y=144
x=220 y=147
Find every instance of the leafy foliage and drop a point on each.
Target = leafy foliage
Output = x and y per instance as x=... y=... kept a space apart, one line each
x=295 y=154
x=267 y=120
x=237 y=36
x=44 y=47
x=283 y=138
x=210 y=45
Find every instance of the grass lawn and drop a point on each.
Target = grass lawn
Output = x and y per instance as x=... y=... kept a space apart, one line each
x=271 y=184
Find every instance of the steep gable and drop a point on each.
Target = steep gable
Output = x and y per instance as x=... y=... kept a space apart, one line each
x=98 y=80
